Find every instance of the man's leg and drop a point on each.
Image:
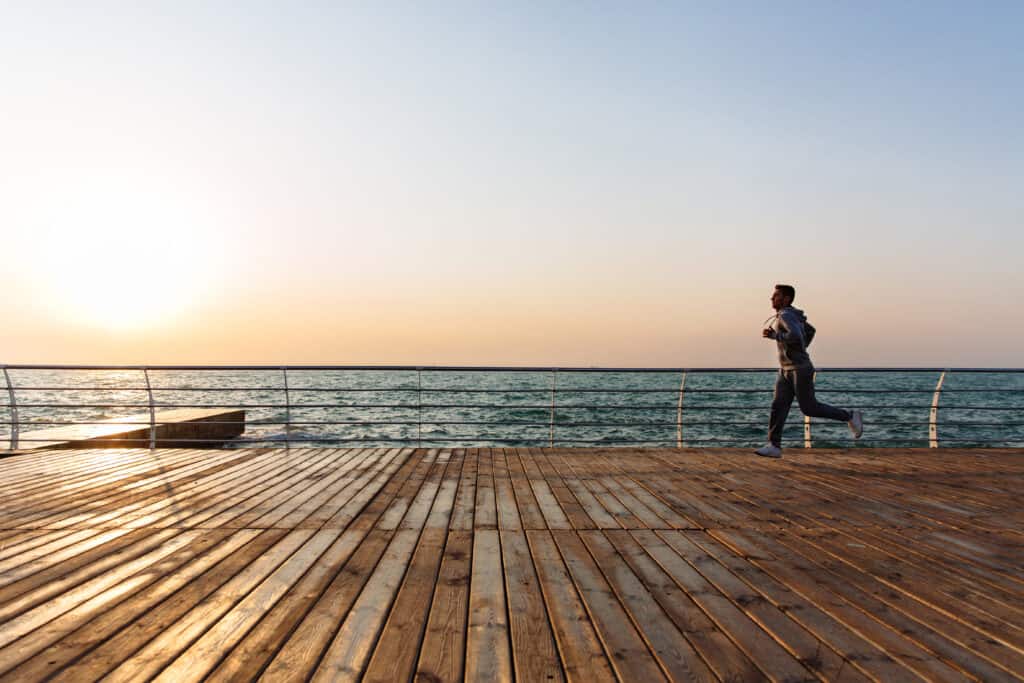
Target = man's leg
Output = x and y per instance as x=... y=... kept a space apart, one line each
x=781 y=402
x=809 y=405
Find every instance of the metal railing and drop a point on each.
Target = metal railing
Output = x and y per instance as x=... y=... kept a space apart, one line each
x=334 y=405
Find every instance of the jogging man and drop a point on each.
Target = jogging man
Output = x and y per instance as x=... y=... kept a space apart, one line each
x=792 y=333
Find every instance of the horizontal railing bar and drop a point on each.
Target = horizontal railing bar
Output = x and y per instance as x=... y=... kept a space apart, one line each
x=481 y=368
x=69 y=423
x=413 y=406
x=488 y=439
x=566 y=390
x=566 y=415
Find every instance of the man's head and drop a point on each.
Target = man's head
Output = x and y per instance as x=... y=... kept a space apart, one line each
x=783 y=296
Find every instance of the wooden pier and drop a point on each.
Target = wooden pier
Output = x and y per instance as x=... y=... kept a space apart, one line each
x=500 y=564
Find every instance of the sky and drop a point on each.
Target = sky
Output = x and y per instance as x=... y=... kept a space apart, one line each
x=596 y=184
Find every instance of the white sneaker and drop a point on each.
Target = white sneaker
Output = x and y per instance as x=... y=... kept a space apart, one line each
x=769 y=451
x=856 y=423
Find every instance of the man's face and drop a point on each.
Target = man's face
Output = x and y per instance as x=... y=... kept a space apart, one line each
x=779 y=300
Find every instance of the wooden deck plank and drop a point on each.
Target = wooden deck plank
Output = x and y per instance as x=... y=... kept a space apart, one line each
x=595 y=511
x=286 y=489
x=443 y=650
x=397 y=649
x=342 y=478
x=93 y=495
x=76 y=468
x=912 y=662
x=342 y=507
x=949 y=638
x=627 y=650
x=504 y=495
x=297 y=652
x=414 y=498
x=574 y=511
x=205 y=653
x=38 y=543
x=582 y=468
x=62 y=578
x=533 y=646
x=485 y=514
x=674 y=653
x=529 y=511
x=115 y=478
x=28 y=618
x=932 y=586
x=17 y=577
x=465 y=498
x=347 y=654
x=164 y=499
x=78 y=630
x=583 y=657
x=488 y=655
x=538 y=497
x=137 y=622
x=763 y=650
x=536 y=564
x=632 y=472
x=722 y=655
x=804 y=645
x=261 y=643
x=17 y=542
x=233 y=501
x=170 y=642
x=444 y=503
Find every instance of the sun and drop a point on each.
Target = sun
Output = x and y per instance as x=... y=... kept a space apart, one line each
x=126 y=254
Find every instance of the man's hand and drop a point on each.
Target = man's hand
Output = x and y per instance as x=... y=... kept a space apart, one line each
x=768 y=333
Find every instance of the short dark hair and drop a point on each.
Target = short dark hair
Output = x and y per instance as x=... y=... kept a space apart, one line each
x=787 y=290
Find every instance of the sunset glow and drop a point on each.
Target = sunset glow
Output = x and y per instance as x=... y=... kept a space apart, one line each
x=123 y=254
x=459 y=184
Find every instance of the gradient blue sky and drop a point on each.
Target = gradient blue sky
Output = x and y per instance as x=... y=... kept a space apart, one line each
x=562 y=183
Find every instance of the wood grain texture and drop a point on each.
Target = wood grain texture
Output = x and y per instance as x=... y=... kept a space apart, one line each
x=511 y=563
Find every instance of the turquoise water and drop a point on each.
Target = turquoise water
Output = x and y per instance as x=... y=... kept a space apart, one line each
x=500 y=408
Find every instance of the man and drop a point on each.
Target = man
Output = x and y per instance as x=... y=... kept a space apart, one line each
x=792 y=333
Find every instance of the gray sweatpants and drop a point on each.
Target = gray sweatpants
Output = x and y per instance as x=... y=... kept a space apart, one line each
x=798 y=383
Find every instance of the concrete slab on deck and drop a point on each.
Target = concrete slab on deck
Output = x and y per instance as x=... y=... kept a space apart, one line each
x=178 y=428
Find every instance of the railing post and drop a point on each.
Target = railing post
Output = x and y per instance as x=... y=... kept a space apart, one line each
x=807 y=421
x=554 y=385
x=13 y=405
x=152 y=410
x=419 y=407
x=679 y=412
x=933 y=415
x=287 y=411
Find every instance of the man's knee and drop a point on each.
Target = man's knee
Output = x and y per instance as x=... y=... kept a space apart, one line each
x=810 y=407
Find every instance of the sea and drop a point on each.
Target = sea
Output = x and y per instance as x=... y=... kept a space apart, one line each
x=429 y=407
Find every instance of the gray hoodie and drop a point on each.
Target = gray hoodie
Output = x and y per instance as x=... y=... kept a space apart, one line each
x=793 y=334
